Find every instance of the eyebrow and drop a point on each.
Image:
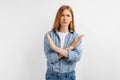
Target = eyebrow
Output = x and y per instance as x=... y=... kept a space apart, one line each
x=66 y=14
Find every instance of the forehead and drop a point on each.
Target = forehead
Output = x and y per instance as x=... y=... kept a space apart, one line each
x=66 y=12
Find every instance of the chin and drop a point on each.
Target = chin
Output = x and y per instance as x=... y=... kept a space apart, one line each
x=65 y=25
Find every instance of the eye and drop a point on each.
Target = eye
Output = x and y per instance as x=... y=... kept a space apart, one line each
x=68 y=15
x=62 y=15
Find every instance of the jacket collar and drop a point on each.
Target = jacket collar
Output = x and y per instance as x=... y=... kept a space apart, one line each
x=56 y=31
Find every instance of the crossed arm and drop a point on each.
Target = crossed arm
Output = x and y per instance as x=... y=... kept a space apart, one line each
x=63 y=52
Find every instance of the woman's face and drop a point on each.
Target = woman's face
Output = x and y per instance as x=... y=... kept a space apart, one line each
x=66 y=18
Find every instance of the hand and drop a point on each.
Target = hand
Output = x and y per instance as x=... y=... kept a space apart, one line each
x=75 y=42
x=60 y=56
x=52 y=44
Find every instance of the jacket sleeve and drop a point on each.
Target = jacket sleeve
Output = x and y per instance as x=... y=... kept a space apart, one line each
x=75 y=54
x=50 y=54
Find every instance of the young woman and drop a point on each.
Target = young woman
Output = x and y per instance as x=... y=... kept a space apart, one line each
x=62 y=46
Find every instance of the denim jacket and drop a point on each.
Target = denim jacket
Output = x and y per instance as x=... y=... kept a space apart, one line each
x=65 y=64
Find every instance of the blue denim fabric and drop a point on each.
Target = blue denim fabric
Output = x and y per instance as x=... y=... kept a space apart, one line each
x=63 y=65
x=51 y=75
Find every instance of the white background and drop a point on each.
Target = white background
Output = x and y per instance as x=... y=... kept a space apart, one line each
x=23 y=24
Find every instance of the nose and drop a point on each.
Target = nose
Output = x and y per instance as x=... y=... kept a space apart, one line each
x=65 y=17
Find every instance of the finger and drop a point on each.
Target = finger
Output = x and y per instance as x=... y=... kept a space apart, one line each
x=80 y=37
x=50 y=39
x=48 y=36
x=77 y=40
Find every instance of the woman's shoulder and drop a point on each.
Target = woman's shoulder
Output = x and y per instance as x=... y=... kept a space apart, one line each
x=51 y=33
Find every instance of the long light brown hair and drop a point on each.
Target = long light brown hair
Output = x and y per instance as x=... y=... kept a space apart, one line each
x=56 y=24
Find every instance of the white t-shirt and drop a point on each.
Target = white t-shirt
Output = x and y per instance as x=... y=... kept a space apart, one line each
x=62 y=38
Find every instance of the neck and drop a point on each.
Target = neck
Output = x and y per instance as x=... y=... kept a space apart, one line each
x=63 y=29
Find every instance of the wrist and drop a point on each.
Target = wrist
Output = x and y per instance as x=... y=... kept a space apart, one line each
x=54 y=48
x=70 y=48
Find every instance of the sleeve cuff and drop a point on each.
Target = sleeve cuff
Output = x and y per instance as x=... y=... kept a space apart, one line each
x=69 y=55
x=54 y=57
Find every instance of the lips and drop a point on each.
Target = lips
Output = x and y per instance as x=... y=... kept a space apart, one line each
x=64 y=22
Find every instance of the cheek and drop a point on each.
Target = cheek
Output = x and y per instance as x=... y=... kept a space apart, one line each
x=71 y=19
x=61 y=19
